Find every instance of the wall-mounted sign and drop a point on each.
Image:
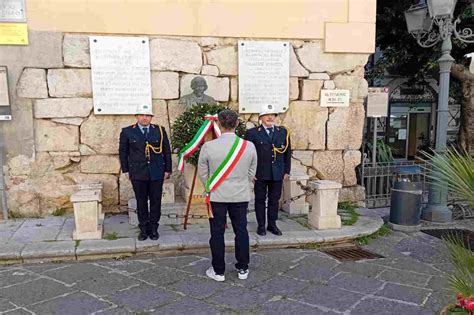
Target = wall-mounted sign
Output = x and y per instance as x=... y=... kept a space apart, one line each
x=120 y=68
x=377 y=102
x=335 y=98
x=5 y=109
x=12 y=11
x=13 y=34
x=264 y=75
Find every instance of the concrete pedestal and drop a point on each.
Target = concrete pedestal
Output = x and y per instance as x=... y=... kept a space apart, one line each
x=323 y=214
x=291 y=189
x=87 y=215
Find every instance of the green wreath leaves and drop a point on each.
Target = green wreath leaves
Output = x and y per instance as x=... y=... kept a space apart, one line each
x=189 y=122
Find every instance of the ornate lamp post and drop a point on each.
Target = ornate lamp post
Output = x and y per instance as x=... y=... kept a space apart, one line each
x=421 y=21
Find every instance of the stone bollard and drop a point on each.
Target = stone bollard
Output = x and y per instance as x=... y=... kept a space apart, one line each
x=87 y=215
x=94 y=186
x=292 y=189
x=323 y=214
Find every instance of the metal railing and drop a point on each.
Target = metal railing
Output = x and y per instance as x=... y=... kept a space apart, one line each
x=378 y=180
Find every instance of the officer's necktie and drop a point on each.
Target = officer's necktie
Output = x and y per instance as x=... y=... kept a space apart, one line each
x=270 y=132
x=145 y=132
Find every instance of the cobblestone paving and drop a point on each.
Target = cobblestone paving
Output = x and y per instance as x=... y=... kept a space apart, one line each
x=410 y=280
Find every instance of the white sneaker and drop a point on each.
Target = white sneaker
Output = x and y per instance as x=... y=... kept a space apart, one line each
x=212 y=274
x=243 y=274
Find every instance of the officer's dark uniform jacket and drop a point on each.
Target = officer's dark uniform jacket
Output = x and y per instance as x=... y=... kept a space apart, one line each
x=132 y=153
x=271 y=166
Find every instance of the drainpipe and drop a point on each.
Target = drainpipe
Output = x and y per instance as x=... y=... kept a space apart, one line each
x=3 y=194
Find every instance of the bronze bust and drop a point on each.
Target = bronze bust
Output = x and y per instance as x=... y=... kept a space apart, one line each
x=199 y=86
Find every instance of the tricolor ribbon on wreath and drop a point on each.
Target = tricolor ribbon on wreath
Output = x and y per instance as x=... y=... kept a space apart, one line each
x=210 y=123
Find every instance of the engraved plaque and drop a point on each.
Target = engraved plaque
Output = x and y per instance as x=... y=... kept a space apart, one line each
x=12 y=11
x=264 y=75
x=335 y=98
x=120 y=68
x=377 y=102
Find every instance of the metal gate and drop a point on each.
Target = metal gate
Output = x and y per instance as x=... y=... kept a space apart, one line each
x=378 y=180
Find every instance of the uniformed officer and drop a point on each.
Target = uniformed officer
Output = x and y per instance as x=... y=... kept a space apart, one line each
x=145 y=154
x=274 y=164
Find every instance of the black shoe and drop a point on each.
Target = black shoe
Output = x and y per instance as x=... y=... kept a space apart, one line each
x=154 y=235
x=273 y=229
x=142 y=236
x=261 y=231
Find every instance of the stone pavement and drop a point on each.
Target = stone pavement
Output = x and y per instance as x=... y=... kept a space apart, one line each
x=411 y=279
x=50 y=239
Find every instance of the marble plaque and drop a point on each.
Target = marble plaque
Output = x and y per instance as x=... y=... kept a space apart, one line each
x=12 y=11
x=4 y=99
x=120 y=68
x=335 y=98
x=264 y=75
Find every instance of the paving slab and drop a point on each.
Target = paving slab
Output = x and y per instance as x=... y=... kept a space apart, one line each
x=65 y=234
x=10 y=253
x=74 y=303
x=105 y=247
x=49 y=251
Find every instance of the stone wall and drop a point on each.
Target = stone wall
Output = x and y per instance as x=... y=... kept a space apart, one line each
x=67 y=143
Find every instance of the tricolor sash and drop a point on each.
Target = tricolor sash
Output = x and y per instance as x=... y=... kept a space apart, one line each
x=224 y=170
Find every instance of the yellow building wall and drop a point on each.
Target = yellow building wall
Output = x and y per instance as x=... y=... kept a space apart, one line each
x=332 y=20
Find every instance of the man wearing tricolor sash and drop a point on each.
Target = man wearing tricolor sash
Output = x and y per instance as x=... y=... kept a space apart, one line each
x=226 y=166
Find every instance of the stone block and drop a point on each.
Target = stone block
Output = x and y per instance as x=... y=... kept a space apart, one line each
x=307 y=124
x=210 y=70
x=19 y=165
x=352 y=158
x=313 y=58
x=32 y=84
x=101 y=133
x=86 y=196
x=350 y=37
x=168 y=193
x=86 y=150
x=218 y=88
x=353 y=194
x=319 y=76
x=362 y=11
x=69 y=121
x=160 y=109
x=323 y=214
x=329 y=163
x=70 y=83
x=357 y=86
x=63 y=107
x=294 y=88
x=165 y=85
x=86 y=218
x=226 y=59
x=49 y=251
x=311 y=90
x=329 y=85
x=105 y=247
x=296 y=69
x=345 y=127
x=175 y=55
x=305 y=157
x=50 y=136
x=126 y=189
x=100 y=164
x=292 y=189
x=76 y=51
x=234 y=89
x=175 y=109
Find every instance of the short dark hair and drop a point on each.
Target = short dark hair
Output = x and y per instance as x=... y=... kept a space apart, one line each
x=228 y=118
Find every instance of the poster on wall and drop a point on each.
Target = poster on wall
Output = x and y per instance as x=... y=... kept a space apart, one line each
x=5 y=109
x=377 y=102
x=264 y=75
x=120 y=70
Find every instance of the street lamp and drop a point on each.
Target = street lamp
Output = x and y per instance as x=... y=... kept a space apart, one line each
x=421 y=19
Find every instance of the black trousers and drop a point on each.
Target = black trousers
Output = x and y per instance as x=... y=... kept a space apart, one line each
x=238 y=217
x=148 y=190
x=267 y=190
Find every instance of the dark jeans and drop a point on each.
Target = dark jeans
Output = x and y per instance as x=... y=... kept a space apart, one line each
x=272 y=190
x=238 y=217
x=148 y=190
